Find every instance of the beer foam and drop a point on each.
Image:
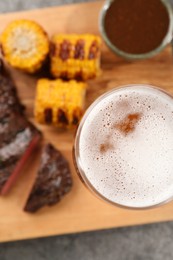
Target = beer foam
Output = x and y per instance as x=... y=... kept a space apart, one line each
x=133 y=168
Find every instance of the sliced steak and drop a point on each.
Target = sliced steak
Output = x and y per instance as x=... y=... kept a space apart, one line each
x=5 y=173
x=18 y=137
x=9 y=100
x=53 y=180
x=10 y=126
x=15 y=148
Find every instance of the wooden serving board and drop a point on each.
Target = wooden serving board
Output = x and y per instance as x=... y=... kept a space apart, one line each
x=79 y=210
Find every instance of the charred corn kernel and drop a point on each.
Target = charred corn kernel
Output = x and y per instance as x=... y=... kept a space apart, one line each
x=75 y=56
x=60 y=103
x=25 y=45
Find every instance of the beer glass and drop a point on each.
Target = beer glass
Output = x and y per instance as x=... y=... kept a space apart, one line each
x=123 y=148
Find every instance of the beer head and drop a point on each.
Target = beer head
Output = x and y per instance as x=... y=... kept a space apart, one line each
x=124 y=146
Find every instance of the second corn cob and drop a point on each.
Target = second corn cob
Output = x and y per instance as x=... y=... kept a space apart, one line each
x=59 y=103
x=75 y=56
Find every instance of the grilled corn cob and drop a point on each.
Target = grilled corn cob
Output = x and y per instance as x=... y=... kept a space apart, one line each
x=59 y=103
x=25 y=45
x=75 y=56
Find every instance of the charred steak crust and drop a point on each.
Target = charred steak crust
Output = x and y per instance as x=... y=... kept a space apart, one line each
x=12 y=126
x=9 y=100
x=53 y=180
x=3 y=70
x=14 y=145
x=16 y=132
x=5 y=173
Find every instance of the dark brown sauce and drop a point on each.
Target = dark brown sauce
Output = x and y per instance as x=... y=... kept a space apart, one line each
x=136 y=26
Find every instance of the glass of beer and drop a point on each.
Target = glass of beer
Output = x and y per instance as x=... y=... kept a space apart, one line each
x=123 y=149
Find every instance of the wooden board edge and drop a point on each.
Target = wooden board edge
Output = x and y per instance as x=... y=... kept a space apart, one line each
x=83 y=230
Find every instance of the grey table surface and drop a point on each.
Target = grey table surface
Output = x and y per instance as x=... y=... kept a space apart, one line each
x=149 y=242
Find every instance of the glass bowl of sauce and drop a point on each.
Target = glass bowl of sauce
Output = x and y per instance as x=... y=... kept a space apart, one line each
x=136 y=29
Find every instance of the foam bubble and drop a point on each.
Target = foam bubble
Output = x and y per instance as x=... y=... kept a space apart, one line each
x=132 y=167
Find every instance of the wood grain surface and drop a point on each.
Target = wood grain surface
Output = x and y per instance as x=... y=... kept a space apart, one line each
x=79 y=210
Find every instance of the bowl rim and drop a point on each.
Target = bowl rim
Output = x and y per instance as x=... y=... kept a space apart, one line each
x=129 y=56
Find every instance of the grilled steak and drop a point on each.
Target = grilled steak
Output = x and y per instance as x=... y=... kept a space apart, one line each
x=18 y=137
x=53 y=180
x=9 y=100
x=3 y=70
